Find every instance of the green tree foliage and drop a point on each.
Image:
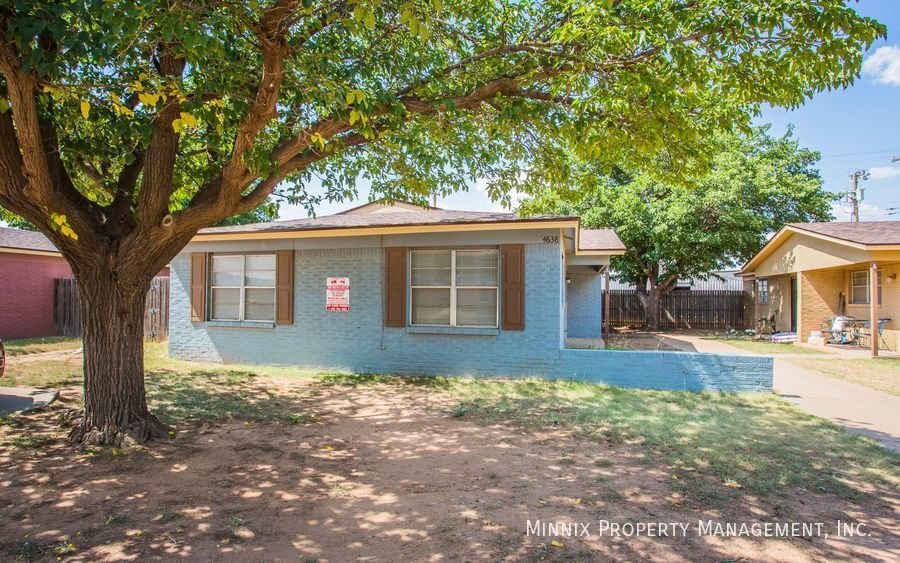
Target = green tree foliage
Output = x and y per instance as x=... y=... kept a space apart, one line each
x=127 y=126
x=262 y=214
x=418 y=96
x=755 y=184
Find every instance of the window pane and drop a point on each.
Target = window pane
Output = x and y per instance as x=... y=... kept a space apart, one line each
x=476 y=259
x=431 y=268
x=259 y=305
x=431 y=277
x=260 y=270
x=476 y=276
x=431 y=259
x=430 y=306
x=476 y=307
x=226 y=304
x=226 y=270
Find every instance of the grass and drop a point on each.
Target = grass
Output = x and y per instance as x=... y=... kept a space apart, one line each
x=882 y=374
x=716 y=446
x=187 y=392
x=40 y=345
x=44 y=373
x=768 y=347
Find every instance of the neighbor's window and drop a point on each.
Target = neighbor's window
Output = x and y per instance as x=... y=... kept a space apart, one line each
x=454 y=287
x=242 y=287
x=762 y=287
x=859 y=287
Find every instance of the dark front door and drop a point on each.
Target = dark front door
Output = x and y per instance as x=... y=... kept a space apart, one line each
x=793 y=303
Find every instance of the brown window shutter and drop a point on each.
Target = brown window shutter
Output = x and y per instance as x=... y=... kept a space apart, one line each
x=284 y=287
x=395 y=287
x=513 y=287
x=198 y=287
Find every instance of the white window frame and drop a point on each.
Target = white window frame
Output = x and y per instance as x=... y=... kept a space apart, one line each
x=453 y=287
x=242 y=288
x=762 y=294
x=867 y=286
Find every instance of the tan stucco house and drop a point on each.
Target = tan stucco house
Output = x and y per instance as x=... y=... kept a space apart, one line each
x=810 y=272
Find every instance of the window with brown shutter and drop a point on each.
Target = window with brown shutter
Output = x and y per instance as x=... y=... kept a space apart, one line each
x=513 y=289
x=284 y=287
x=395 y=287
x=198 y=286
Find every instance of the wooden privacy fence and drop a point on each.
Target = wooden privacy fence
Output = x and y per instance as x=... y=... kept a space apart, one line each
x=67 y=309
x=713 y=309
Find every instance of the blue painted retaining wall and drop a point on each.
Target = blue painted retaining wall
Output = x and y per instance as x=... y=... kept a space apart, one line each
x=684 y=371
x=357 y=340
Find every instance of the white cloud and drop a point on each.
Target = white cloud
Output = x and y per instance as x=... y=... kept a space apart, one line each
x=883 y=172
x=867 y=212
x=884 y=65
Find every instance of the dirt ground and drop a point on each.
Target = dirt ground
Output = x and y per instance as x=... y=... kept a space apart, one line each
x=381 y=473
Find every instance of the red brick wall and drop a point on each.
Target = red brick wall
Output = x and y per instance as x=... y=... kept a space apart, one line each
x=26 y=294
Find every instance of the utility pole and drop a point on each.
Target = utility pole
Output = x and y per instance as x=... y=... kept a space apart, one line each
x=855 y=195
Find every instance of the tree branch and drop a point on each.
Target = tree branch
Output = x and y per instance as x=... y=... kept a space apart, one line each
x=21 y=89
x=159 y=161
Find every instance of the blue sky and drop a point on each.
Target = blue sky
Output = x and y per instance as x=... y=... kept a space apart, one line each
x=854 y=128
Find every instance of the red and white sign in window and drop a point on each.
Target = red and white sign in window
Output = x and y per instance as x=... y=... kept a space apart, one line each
x=337 y=294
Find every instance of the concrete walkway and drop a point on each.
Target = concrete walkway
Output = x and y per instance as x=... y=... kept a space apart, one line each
x=23 y=399
x=856 y=408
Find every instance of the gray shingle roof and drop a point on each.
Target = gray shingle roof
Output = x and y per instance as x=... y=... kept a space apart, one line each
x=384 y=219
x=24 y=240
x=871 y=232
x=599 y=239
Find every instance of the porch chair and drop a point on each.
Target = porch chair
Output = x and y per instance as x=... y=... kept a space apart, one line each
x=838 y=330
x=866 y=332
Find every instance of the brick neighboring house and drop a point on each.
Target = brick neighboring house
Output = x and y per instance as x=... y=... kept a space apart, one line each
x=29 y=264
x=809 y=273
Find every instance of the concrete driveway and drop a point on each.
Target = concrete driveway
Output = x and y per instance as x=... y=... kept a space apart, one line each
x=22 y=399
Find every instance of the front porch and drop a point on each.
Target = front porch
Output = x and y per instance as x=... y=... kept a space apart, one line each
x=847 y=292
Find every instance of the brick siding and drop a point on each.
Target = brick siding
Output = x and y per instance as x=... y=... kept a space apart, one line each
x=583 y=303
x=357 y=341
x=819 y=295
x=26 y=294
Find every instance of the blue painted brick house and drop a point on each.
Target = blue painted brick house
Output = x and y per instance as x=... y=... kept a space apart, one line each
x=402 y=290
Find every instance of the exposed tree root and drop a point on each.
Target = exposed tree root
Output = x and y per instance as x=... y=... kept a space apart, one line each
x=139 y=432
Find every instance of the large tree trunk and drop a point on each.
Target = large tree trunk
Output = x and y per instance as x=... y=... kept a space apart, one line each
x=653 y=298
x=115 y=404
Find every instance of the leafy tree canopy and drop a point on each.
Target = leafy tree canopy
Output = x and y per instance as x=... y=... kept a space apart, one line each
x=755 y=184
x=212 y=104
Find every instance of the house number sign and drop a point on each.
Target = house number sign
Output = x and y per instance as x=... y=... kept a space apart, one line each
x=337 y=294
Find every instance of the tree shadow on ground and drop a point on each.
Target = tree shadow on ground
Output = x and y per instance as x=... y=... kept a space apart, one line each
x=348 y=468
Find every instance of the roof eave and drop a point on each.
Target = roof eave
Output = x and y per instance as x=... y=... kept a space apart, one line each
x=31 y=251
x=326 y=232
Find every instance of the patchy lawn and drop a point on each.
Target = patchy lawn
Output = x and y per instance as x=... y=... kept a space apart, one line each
x=881 y=374
x=276 y=463
x=768 y=347
x=638 y=341
x=25 y=346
